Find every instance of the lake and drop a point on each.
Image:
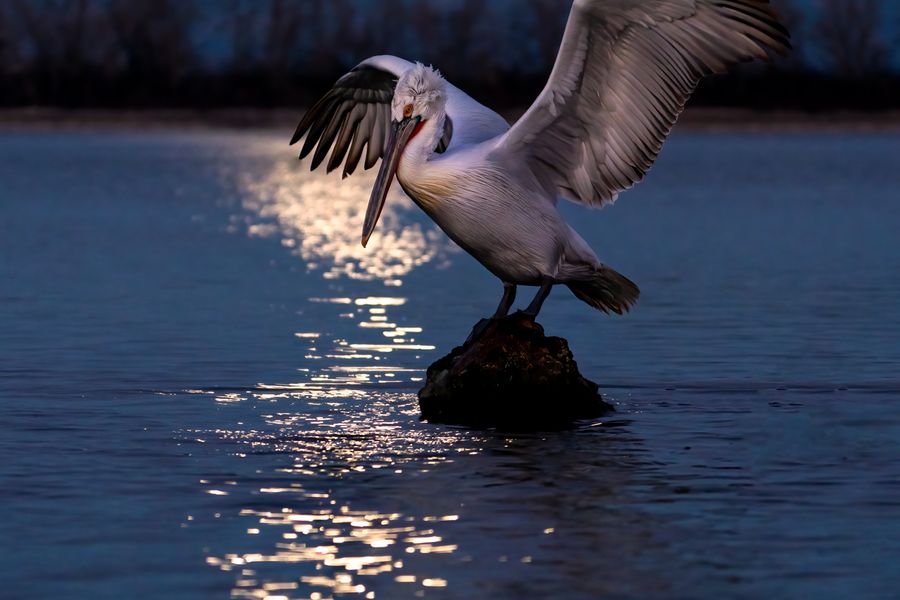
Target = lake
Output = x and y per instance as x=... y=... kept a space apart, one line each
x=208 y=387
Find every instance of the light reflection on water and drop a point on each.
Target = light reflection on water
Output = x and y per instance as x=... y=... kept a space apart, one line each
x=320 y=217
x=343 y=364
x=297 y=515
x=359 y=548
x=352 y=424
x=349 y=495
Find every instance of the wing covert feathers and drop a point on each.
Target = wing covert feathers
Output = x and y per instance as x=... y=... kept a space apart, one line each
x=624 y=72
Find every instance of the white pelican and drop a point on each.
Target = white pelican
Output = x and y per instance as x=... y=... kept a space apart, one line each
x=622 y=76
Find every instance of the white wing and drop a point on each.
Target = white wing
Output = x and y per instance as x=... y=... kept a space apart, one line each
x=622 y=77
x=355 y=116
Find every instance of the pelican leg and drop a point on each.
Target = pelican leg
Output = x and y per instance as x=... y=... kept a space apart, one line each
x=535 y=307
x=509 y=296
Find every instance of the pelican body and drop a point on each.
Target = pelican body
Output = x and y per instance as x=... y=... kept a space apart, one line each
x=622 y=76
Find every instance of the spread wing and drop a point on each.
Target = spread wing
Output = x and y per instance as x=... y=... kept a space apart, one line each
x=354 y=117
x=622 y=77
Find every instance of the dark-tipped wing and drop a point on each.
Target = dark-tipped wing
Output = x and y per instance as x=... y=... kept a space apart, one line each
x=622 y=77
x=354 y=118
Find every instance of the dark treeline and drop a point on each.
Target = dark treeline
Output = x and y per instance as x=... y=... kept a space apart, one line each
x=216 y=53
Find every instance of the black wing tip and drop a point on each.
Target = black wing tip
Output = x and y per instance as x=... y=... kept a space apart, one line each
x=303 y=127
x=312 y=114
x=317 y=161
x=324 y=123
x=298 y=135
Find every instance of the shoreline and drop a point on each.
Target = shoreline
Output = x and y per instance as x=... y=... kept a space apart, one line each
x=694 y=119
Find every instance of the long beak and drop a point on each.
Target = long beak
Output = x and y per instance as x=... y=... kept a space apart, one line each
x=400 y=134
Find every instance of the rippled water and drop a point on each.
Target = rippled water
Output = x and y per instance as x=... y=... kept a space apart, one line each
x=207 y=386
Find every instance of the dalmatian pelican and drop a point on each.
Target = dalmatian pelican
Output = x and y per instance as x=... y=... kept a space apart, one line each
x=623 y=74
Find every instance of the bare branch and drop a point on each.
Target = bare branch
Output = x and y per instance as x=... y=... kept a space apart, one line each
x=848 y=33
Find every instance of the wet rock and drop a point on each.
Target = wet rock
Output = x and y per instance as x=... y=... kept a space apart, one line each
x=509 y=375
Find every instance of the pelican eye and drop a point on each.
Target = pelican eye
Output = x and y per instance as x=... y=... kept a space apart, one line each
x=407 y=111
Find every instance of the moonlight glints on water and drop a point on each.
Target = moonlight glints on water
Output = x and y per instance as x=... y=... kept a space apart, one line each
x=622 y=76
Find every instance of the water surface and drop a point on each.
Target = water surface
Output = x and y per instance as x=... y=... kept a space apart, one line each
x=208 y=387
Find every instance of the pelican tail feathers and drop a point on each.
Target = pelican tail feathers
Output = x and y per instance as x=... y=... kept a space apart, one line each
x=607 y=290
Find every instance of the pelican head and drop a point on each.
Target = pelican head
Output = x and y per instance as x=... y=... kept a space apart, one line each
x=420 y=97
x=421 y=90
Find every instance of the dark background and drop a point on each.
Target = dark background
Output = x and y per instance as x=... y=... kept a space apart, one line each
x=280 y=53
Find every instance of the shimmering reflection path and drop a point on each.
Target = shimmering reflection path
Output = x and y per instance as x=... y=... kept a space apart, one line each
x=207 y=387
x=353 y=497
x=311 y=533
x=320 y=217
x=348 y=426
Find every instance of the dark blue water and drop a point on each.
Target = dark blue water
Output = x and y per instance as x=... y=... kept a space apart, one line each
x=207 y=387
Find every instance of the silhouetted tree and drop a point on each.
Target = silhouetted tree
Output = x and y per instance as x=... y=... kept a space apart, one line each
x=468 y=47
x=241 y=23
x=511 y=40
x=549 y=23
x=283 y=35
x=8 y=50
x=285 y=52
x=848 y=33
x=793 y=20
x=153 y=42
x=389 y=29
x=64 y=41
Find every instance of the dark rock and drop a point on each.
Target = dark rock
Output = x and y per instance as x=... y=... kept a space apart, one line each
x=509 y=375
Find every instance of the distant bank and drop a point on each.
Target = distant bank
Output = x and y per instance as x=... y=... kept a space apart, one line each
x=693 y=119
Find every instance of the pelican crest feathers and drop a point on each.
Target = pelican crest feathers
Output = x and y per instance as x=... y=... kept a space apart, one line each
x=422 y=86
